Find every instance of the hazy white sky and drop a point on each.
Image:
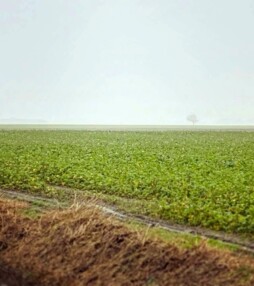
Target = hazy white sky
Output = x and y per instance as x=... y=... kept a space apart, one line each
x=127 y=61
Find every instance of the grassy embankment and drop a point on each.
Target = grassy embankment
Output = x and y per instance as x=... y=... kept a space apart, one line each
x=82 y=246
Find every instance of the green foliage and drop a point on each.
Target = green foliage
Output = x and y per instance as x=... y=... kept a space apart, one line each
x=195 y=178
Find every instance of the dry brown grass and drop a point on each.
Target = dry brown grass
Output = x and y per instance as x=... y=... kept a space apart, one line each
x=81 y=246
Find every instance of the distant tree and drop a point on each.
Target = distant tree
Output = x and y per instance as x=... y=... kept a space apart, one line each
x=192 y=118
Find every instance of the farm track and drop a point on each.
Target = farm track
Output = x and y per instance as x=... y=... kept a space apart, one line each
x=242 y=244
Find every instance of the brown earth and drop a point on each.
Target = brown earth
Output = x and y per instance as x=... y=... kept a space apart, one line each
x=82 y=246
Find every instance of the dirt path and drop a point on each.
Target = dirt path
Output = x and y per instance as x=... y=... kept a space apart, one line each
x=242 y=244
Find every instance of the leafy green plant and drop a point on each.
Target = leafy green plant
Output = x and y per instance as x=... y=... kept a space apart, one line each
x=197 y=178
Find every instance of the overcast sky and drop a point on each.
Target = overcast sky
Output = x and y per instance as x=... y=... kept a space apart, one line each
x=127 y=61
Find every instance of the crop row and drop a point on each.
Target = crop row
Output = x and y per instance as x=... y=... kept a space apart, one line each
x=195 y=178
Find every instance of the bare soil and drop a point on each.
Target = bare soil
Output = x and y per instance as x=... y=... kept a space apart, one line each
x=83 y=246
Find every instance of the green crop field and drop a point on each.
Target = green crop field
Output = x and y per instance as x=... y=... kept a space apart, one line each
x=197 y=178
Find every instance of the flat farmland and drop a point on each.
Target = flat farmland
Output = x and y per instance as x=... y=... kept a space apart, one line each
x=201 y=178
